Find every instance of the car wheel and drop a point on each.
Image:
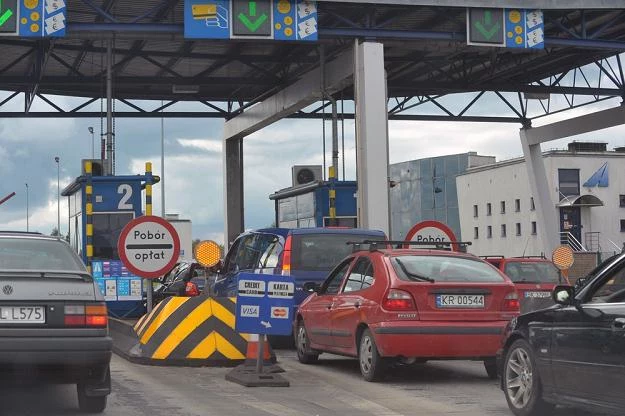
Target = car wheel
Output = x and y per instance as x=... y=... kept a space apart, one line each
x=490 y=365
x=521 y=382
x=372 y=366
x=90 y=404
x=304 y=354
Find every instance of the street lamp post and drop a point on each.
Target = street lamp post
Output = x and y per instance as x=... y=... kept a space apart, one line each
x=27 y=228
x=58 y=195
x=92 y=143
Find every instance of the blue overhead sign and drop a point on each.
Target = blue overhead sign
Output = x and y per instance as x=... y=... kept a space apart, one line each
x=509 y=28
x=42 y=18
x=264 y=304
x=285 y=20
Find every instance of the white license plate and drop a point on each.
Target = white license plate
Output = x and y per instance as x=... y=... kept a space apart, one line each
x=22 y=314
x=459 y=301
x=538 y=294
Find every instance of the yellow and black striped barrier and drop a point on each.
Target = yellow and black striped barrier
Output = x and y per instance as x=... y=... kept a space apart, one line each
x=190 y=331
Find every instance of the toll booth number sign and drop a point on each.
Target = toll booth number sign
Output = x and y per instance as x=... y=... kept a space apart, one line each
x=265 y=304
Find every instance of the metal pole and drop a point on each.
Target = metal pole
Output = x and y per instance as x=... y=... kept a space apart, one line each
x=109 y=101
x=92 y=143
x=162 y=164
x=27 y=228
x=148 y=211
x=335 y=139
x=261 y=353
x=58 y=195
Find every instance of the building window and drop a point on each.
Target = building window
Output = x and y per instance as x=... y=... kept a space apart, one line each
x=476 y=233
x=623 y=226
x=568 y=182
x=503 y=207
x=533 y=227
x=489 y=231
x=489 y=209
x=532 y=206
x=517 y=205
x=503 y=230
x=518 y=228
x=475 y=211
x=621 y=200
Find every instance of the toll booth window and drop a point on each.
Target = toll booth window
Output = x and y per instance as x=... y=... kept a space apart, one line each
x=106 y=230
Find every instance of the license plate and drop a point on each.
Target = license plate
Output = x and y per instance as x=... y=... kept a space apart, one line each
x=22 y=314
x=539 y=295
x=459 y=301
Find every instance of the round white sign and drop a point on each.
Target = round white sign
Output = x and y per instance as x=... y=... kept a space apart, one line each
x=149 y=246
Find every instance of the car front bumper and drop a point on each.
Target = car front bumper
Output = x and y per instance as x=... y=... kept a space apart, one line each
x=439 y=339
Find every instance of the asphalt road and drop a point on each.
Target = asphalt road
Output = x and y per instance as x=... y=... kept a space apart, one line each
x=332 y=387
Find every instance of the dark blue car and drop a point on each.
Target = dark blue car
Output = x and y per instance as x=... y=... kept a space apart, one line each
x=307 y=254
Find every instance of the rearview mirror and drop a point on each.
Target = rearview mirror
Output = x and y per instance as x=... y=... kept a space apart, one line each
x=312 y=287
x=563 y=295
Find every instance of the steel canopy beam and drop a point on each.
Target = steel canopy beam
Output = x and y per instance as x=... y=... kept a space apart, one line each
x=578 y=125
x=306 y=91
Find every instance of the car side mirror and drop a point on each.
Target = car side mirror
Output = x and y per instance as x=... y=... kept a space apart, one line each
x=563 y=295
x=312 y=287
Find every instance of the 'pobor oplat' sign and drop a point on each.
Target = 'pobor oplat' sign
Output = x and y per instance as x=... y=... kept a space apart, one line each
x=149 y=246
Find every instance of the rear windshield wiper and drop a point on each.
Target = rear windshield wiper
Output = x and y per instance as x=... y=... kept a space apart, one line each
x=414 y=276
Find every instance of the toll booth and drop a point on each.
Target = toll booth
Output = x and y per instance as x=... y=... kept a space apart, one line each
x=100 y=206
x=308 y=205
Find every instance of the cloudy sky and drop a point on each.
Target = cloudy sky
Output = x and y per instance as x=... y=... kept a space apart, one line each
x=193 y=167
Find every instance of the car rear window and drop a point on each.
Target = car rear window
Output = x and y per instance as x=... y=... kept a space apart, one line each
x=532 y=272
x=37 y=254
x=444 y=269
x=321 y=252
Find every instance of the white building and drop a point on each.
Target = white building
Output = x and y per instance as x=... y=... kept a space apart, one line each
x=587 y=188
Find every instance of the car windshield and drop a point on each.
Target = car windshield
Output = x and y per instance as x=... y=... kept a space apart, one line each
x=532 y=272
x=444 y=268
x=321 y=252
x=37 y=254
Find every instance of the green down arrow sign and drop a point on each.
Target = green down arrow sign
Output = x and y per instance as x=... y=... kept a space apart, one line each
x=252 y=25
x=4 y=16
x=486 y=27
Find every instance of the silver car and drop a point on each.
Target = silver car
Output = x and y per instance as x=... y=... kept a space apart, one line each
x=53 y=319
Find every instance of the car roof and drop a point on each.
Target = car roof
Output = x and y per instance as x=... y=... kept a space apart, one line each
x=24 y=234
x=426 y=252
x=321 y=230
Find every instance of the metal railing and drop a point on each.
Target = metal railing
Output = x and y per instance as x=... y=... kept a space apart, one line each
x=569 y=239
x=593 y=240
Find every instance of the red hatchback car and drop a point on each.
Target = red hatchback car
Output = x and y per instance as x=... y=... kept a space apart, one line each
x=408 y=305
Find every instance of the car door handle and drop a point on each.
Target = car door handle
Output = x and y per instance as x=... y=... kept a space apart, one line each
x=619 y=323
x=330 y=306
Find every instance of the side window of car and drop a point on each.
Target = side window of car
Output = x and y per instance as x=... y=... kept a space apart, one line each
x=612 y=289
x=361 y=276
x=229 y=261
x=271 y=250
x=333 y=283
x=247 y=255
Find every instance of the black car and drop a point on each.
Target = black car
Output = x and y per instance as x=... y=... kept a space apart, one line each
x=572 y=353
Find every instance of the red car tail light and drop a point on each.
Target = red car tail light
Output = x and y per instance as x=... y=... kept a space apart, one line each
x=94 y=315
x=191 y=289
x=398 y=300
x=286 y=257
x=511 y=303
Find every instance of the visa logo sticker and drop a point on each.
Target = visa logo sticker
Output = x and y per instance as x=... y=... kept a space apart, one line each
x=250 y=311
x=278 y=312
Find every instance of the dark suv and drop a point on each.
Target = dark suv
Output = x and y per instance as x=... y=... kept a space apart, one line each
x=307 y=254
x=53 y=318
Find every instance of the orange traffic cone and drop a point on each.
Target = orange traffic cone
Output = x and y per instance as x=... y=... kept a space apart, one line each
x=251 y=357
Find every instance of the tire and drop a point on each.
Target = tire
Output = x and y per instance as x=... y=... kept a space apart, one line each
x=90 y=404
x=302 y=344
x=372 y=365
x=490 y=365
x=521 y=382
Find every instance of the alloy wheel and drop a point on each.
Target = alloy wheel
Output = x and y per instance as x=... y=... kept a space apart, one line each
x=519 y=378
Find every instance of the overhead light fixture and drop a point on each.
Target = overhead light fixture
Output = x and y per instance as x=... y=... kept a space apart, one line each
x=536 y=95
x=185 y=89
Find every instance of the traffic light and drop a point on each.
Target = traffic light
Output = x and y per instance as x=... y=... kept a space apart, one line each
x=8 y=17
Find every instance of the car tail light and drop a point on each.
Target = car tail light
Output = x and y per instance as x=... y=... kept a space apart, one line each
x=94 y=315
x=511 y=303
x=191 y=289
x=286 y=257
x=398 y=300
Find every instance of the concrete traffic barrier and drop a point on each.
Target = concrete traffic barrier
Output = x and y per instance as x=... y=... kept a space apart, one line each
x=187 y=331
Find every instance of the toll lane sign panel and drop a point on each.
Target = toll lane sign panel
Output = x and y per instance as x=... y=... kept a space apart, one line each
x=508 y=28
x=265 y=304
x=33 y=18
x=248 y=19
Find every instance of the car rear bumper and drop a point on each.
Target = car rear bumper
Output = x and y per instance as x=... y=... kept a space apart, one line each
x=84 y=352
x=435 y=339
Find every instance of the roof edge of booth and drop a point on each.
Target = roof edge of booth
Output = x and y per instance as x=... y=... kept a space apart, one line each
x=306 y=91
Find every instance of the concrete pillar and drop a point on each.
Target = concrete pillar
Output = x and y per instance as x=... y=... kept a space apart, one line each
x=546 y=215
x=372 y=169
x=233 y=189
